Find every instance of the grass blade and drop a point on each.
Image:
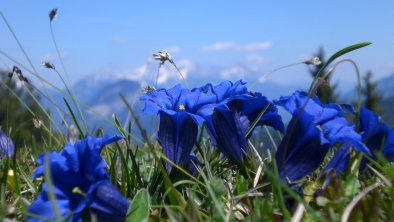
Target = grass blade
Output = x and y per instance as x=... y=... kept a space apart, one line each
x=51 y=193
x=253 y=125
x=334 y=56
x=74 y=118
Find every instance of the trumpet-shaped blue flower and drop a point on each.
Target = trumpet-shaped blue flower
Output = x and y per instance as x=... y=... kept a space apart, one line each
x=376 y=135
x=80 y=182
x=229 y=123
x=6 y=145
x=313 y=129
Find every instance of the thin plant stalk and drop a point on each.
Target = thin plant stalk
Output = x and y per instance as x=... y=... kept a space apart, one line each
x=68 y=86
x=61 y=91
x=266 y=75
x=332 y=69
x=21 y=48
x=157 y=75
x=179 y=71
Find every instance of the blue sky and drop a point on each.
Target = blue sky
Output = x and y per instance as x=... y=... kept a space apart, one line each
x=118 y=36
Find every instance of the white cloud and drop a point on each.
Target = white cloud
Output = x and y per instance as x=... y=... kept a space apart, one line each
x=220 y=46
x=235 y=72
x=255 y=61
x=255 y=58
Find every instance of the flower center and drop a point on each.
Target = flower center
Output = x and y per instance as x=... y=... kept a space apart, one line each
x=181 y=107
x=78 y=190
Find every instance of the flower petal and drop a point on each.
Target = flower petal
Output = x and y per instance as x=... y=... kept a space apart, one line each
x=6 y=145
x=388 y=149
x=312 y=106
x=339 y=130
x=301 y=150
x=252 y=107
x=230 y=137
x=338 y=163
x=42 y=207
x=177 y=135
x=108 y=204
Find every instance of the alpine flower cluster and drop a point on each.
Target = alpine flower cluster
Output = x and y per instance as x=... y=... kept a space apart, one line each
x=229 y=111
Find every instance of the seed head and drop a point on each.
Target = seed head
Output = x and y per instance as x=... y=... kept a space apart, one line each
x=163 y=57
x=52 y=14
x=48 y=65
x=17 y=70
x=18 y=73
x=313 y=61
x=37 y=121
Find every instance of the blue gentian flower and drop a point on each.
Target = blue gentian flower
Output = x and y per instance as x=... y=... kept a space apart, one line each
x=229 y=123
x=80 y=182
x=6 y=146
x=312 y=131
x=376 y=135
x=181 y=112
x=178 y=122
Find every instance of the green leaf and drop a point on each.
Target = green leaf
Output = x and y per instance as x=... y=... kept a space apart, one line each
x=343 y=52
x=218 y=186
x=336 y=55
x=74 y=118
x=352 y=185
x=241 y=187
x=253 y=125
x=139 y=207
x=50 y=187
